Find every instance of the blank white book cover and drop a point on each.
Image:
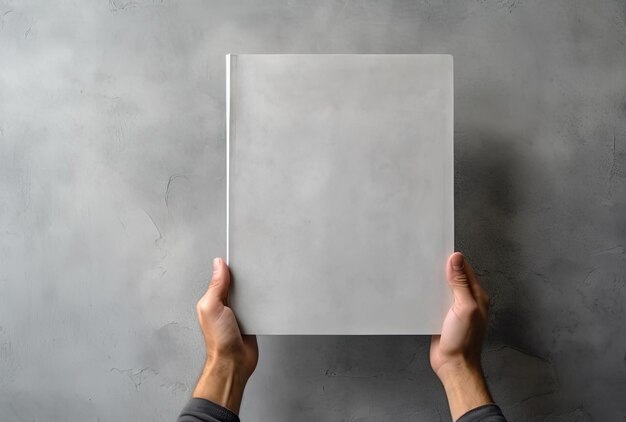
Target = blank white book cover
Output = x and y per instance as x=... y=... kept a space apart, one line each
x=340 y=214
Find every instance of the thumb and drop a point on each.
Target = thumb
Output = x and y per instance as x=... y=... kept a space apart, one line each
x=220 y=280
x=458 y=279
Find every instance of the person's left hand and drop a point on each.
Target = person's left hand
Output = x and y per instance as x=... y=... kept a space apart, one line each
x=230 y=357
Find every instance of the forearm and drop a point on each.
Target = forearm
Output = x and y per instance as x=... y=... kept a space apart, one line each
x=221 y=383
x=465 y=388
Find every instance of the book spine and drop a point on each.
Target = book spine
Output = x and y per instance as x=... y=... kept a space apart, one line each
x=230 y=68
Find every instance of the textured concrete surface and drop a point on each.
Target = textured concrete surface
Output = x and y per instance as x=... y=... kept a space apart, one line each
x=112 y=204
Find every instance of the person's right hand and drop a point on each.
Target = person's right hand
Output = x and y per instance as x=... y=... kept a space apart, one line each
x=455 y=354
x=230 y=357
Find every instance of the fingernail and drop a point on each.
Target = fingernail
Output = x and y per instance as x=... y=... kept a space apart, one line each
x=457 y=262
x=216 y=264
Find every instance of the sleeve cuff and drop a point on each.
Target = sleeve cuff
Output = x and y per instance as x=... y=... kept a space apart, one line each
x=484 y=413
x=207 y=411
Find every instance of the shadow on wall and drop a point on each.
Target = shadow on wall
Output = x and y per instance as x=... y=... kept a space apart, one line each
x=487 y=199
x=345 y=378
x=489 y=193
x=368 y=378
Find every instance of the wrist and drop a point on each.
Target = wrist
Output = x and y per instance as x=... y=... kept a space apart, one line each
x=222 y=383
x=465 y=386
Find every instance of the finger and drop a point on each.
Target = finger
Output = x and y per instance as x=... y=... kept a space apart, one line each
x=250 y=341
x=477 y=291
x=434 y=340
x=220 y=281
x=471 y=276
x=459 y=280
x=252 y=348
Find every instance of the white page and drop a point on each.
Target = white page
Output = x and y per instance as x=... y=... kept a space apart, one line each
x=340 y=192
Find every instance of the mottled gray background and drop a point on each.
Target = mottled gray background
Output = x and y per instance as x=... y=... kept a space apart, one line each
x=112 y=204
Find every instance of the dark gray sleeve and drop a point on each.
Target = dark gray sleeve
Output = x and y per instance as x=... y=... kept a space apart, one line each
x=201 y=410
x=486 y=413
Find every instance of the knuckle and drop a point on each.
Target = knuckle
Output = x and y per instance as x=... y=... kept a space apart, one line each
x=473 y=308
x=459 y=279
x=202 y=306
x=215 y=282
x=469 y=309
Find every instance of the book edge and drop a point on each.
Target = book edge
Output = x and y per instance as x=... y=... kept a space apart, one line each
x=228 y=130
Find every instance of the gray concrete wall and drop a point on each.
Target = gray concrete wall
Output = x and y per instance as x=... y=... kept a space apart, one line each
x=112 y=204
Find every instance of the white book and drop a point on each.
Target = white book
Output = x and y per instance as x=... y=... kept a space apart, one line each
x=340 y=214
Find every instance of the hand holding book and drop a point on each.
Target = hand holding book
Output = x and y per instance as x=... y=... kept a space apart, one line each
x=231 y=357
x=455 y=354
